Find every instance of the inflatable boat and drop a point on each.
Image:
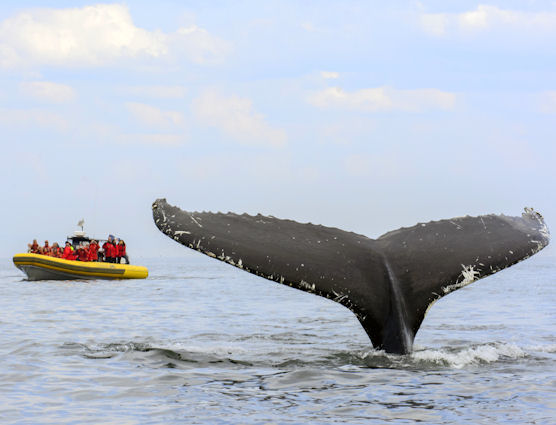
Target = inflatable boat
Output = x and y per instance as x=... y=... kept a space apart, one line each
x=43 y=267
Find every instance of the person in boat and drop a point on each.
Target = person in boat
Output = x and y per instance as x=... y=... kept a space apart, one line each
x=93 y=250
x=117 y=255
x=45 y=250
x=68 y=253
x=109 y=250
x=82 y=253
x=56 y=251
x=34 y=248
x=122 y=251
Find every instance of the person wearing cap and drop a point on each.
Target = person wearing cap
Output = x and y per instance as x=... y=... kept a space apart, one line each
x=45 y=250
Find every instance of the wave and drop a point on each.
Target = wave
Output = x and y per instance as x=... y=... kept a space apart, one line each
x=460 y=358
x=549 y=349
x=177 y=354
x=183 y=355
x=452 y=358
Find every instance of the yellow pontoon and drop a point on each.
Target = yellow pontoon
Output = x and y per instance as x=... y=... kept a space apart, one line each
x=43 y=267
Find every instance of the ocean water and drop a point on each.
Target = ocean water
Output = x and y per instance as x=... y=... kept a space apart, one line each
x=200 y=342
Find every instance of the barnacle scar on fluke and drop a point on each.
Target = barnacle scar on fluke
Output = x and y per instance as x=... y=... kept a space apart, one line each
x=389 y=283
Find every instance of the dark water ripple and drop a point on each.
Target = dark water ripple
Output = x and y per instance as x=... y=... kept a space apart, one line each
x=202 y=343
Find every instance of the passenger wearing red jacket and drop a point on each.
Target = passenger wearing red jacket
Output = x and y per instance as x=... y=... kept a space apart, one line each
x=117 y=250
x=34 y=247
x=45 y=250
x=56 y=251
x=81 y=254
x=109 y=250
x=93 y=250
x=68 y=252
x=122 y=252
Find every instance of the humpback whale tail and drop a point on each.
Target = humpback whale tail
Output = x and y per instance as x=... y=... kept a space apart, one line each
x=389 y=283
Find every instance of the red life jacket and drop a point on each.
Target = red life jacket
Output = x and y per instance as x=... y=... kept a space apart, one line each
x=68 y=253
x=121 y=250
x=82 y=254
x=109 y=250
x=93 y=249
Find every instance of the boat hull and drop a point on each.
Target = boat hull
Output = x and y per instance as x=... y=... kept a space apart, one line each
x=42 y=267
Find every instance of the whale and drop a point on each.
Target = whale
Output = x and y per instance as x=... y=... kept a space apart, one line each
x=389 y=283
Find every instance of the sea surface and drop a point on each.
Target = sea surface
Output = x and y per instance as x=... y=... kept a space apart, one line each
x=200 y=342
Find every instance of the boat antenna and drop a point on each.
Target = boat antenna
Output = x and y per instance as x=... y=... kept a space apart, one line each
x=80 y=223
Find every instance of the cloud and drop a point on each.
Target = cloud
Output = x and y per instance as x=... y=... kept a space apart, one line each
x=31 y=118
x=48 y=91
x=107 y=133
x=157 y=92
x=487 y=17
x=95 y=36
x=235 y=117
x=382 y=99
x=268 y=168
x=157 y=139
x=199 y=45
x=434 y=23
x=153 y=116
x=327 y=75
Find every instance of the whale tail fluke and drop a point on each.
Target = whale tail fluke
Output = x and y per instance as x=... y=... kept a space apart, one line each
x=388 y=283
x=431 y=260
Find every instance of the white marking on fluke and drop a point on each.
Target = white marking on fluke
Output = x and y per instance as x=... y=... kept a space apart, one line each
x=543 y=230
x=469 y=274
x=181 y=232
x=457 y=225
x=195 y=221
x=307 y=286
x=538 y=247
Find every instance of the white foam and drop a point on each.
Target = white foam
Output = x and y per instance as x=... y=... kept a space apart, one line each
x=208 y=349
x=550 y=348
x=487 y=353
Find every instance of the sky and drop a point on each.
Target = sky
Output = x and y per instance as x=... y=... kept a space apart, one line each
x=362 y=115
